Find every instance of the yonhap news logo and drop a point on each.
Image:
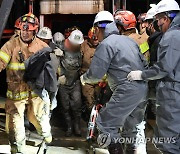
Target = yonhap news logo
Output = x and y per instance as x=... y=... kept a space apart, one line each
x=104 y=140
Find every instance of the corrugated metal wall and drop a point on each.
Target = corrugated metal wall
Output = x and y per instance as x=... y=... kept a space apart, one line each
x=71 y=6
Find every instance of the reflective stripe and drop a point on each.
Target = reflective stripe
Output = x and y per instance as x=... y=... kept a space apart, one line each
x=33 y=94
x=144 y=47
x=16 y=66
x=4 y=56
x=20 y=96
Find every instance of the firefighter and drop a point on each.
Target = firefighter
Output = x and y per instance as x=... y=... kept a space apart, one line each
x=88 y=48
x=115 y=56
x=19 y=95
x=166 y=70
x=126 y=23
x=70 y=86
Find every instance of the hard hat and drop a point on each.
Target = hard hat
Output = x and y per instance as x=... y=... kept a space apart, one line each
x=126 y=19
x=17 y=23
x=103 y=17
x=45 y=33
x=58 y=38
x=76 y=37
x=151 y=12
x=92 y=33
x=167 y=5
x=141 y=17
x=29 y=22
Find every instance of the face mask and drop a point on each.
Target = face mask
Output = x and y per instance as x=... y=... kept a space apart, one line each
x=155 y=25
x=148 y=31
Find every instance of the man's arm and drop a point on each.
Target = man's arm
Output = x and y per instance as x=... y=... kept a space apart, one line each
x=5 y=56
x=169 y=56
x=100 y=64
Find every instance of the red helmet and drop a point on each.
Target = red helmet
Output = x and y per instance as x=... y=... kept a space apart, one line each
x=141 y=17
x=126 y=19
x=29 y=21
x=92 y=33
x=17 y=23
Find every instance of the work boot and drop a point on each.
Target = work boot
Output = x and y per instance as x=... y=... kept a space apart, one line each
x=69 y=125
x=77 y=128
x=130 y=149
x=48 y=139
x=115 y=148
x=69 y=130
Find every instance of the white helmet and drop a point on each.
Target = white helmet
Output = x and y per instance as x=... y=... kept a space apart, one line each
x=58 y=38
x=103 y=16
x=151 y=12
x=45 y=33
x=76 y=37
x=167 y=5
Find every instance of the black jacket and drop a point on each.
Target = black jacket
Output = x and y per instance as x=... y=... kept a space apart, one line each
x=153 y=42
x=39 y=72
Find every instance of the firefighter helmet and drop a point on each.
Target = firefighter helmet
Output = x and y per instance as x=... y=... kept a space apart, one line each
x=29 y=22
x=17 y=23
x=92 y=33
x=126 y=19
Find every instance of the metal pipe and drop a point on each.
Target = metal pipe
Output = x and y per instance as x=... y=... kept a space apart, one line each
x=4 y=14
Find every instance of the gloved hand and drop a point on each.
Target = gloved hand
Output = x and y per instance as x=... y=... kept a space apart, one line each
x=58 y=52
x=134 y=75
x=82 y=80
x=62 y=80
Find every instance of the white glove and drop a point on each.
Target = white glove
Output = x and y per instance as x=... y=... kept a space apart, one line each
x=62 y=80
x=134 y=75
x=58 y=52
x=82 y=80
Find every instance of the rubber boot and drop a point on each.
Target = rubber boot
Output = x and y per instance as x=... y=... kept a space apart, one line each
x=130 y=149
x=69 y=125
x=77 y=128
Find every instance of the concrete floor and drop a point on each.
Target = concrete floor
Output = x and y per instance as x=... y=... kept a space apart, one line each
x=61 y=144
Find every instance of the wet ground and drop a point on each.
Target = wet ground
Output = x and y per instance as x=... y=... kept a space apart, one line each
x=62 y=144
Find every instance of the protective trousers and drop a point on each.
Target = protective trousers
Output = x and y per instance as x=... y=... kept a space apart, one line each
x=124 y=111
x=37 y=114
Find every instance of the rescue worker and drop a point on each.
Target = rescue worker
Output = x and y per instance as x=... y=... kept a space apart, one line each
x=155 y=36
x=126 y=23
x=166 y=70
x=115 y=56
x=88 y=48
x=70 y=86
x=45 y=35
x=58 y=39
x=19 y=94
